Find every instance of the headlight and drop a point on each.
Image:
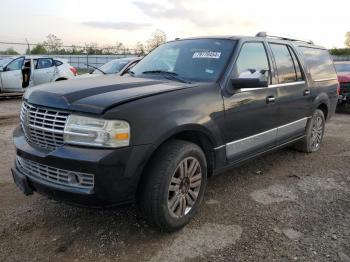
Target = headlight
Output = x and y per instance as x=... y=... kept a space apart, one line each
x=81 y=130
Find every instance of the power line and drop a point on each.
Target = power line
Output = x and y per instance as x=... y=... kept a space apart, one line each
x=61 y=46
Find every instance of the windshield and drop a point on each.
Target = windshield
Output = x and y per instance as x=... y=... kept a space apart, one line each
x=342 y=67
x=112 y=67
x=4 y=61
x=200 y=60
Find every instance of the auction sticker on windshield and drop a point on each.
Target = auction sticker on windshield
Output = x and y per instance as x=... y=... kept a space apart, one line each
x=210 y=54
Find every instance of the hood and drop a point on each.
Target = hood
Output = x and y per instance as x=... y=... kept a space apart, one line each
x=97 y=94
x=88 y=75
x=344 y=77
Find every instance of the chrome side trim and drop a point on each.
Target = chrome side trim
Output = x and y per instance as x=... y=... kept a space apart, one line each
x=287 y=84
x=251 y=89
x=272 y=86
x=242 y=145
x=325 y=79
x=291 y=127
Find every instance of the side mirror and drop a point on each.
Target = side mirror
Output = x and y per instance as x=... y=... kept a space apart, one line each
x=1 y=69
x=249 y=79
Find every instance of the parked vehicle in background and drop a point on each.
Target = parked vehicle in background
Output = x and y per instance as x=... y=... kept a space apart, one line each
x=190 y=109
x=116 y=66
x=19 y=73
x=343 y=71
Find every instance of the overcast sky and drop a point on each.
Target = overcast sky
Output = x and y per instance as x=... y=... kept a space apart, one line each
x=108 y=21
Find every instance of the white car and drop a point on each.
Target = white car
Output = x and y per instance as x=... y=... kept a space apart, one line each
x=117 y=66
x=19 y=73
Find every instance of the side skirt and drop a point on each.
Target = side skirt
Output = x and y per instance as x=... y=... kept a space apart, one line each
x=231 y=165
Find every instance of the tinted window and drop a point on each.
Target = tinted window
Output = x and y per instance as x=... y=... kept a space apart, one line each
x=192 y=60
x=112 y=67
x=319 y=63
x=44 y=63
x=342 y=67
x=15 y=64
x=252 y=58
x=57 y=63
x=297 y=66
x=284 y=62
x=4 y=61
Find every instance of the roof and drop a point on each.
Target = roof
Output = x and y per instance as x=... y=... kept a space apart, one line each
x=269 y=38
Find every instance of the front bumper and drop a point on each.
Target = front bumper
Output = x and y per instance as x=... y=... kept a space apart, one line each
x=116 y=171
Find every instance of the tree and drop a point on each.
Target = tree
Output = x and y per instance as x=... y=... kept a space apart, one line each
x=92 y=49
x=140 y=49
x=119 y=47
x=9 y=51
x=347 y=39
x=158 y=37
x=39 y=49
x=340 y=51
x=53 y=44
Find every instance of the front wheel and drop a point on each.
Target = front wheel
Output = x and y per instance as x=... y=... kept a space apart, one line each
x=174 y=184
x=313 y=134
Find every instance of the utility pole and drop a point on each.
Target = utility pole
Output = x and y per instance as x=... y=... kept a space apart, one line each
x=28 y=49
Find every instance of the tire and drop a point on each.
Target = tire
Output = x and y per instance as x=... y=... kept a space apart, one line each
x=165 y=188
x=313 y=133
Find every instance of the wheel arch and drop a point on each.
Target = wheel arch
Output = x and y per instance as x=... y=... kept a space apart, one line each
x=322 y=102
x=196 y=134
x=61 y=79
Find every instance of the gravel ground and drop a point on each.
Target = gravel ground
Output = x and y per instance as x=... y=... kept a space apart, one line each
x=285 y=206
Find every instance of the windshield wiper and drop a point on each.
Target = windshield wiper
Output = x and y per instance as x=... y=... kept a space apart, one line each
x=171 y=75
x=96 y=68
x=130 y=72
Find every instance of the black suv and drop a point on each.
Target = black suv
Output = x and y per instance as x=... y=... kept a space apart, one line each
x=190 y=109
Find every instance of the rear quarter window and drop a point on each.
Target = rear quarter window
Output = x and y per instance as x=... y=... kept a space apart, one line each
x=57 y=63
x=319 y=63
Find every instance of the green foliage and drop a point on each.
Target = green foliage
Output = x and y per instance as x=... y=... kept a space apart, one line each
x=340 y=51
x=53 y=44
x=9 y=51
x=39 y=49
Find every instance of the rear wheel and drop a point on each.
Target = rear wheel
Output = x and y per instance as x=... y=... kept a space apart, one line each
x=173 y=186
x=314 y=133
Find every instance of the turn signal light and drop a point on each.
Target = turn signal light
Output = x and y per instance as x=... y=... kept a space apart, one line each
x=122 y=136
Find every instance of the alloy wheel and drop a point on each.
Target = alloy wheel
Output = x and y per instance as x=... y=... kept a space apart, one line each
x=317 y=132
x=184 y=187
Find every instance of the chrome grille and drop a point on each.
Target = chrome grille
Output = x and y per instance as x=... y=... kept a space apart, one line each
x=55 y=175
x=42 y=126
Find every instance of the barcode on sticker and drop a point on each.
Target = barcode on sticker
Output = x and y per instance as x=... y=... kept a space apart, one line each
x=212 y=55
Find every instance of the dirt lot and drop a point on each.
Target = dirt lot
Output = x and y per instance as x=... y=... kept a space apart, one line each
x=281 y=207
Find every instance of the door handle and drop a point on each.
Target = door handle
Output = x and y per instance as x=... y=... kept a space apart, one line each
x=270 y=99
x=306 y=92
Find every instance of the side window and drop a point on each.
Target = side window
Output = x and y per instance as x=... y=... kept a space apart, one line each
x=44 y=63
x=252 y=58
x=297 y=66
x=15 y=64
x=57 y=63
x=319 y=63
x=285 y=64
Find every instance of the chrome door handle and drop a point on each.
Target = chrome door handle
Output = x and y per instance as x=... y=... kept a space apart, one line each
x=270 y=99
x=306 y=92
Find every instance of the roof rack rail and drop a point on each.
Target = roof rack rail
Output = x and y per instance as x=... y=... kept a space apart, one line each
x=264 y=34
